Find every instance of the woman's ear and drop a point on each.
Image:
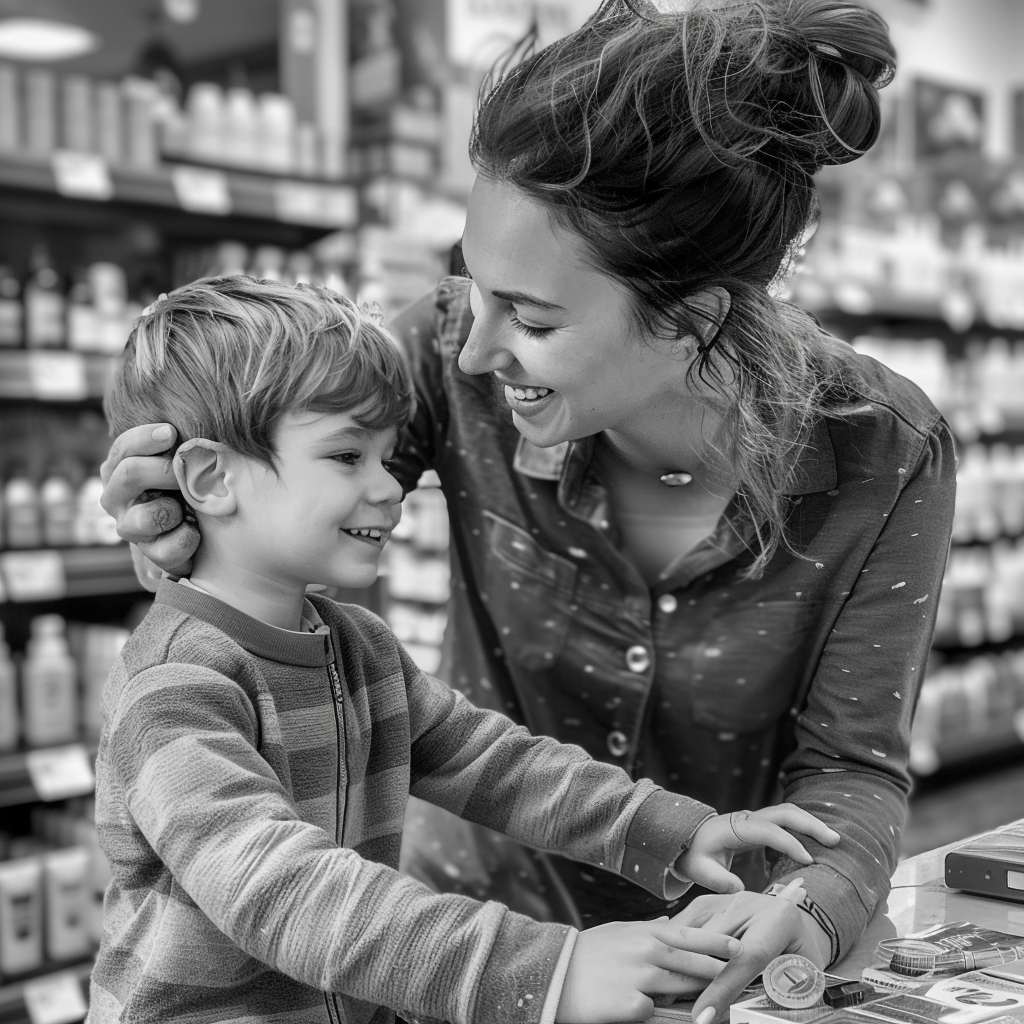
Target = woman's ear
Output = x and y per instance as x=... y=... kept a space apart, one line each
x=712 y=307
x=205 y=473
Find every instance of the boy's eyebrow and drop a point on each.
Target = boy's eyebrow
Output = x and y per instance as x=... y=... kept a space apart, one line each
x=344 y=433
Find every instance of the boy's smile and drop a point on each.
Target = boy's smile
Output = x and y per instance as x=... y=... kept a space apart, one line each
x=323 y=516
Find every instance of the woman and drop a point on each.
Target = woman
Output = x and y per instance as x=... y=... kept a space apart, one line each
x=707 y=543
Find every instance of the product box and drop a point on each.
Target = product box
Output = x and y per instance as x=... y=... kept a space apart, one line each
x=991 y=865
x=759 y=1009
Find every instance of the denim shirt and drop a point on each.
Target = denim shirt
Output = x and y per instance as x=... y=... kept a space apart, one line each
x=797 y=686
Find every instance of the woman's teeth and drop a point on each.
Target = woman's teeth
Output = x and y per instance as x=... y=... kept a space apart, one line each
x=526 y=394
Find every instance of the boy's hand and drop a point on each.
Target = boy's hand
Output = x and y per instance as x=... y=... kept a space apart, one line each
x=710 y=853
x=139 y=493
x=617 y=968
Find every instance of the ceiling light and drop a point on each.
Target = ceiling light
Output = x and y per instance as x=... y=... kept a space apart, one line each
x=43 y=40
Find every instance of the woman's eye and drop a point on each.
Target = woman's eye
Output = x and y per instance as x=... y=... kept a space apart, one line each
x=530 y=332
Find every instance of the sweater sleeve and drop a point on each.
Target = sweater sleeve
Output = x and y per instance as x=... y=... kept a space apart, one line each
x=553 y=796
x=850 y=765
x=182 y=745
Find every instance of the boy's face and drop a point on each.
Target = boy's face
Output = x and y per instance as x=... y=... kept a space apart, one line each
x=328 y=511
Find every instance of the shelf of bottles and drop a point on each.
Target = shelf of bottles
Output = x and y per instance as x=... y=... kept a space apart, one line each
x=416 y=574
x=220 y=153
x=924 y=271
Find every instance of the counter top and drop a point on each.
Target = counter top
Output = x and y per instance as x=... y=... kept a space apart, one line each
x=919 y=899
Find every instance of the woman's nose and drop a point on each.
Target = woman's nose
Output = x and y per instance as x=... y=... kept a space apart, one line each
x=483 y=353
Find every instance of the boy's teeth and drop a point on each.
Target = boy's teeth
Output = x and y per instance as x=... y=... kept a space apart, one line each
x=365 y=533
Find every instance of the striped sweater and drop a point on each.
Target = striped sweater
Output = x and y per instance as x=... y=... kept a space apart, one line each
x=251 y=790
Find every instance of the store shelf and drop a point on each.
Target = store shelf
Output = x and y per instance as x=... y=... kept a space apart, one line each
x=68 y=774
x=13 y=1009
x=193 y=189
x=54 y=375
x=48 y=575
x=1002 y=741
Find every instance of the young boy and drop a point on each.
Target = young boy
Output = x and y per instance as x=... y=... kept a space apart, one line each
x=260 y=745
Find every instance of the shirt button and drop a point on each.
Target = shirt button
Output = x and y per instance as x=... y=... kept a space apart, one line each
x=637 y=659
x=668 y=603
x=618 y=743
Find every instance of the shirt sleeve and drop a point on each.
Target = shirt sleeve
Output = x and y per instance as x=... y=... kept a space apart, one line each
x=182 y=748
x=850 y=765
x=552 y=796
x=440 y=318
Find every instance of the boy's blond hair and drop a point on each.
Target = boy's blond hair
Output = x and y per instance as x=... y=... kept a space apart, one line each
x=224 y=357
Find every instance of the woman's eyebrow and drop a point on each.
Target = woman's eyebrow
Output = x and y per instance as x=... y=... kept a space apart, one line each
x=525 y=298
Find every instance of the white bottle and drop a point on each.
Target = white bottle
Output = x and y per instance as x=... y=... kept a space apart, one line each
x=92 y=524
x=49 y=685
x=21 y=916
x=21 y=512
x=10 y=717
x=57 y=501
x=68 y=895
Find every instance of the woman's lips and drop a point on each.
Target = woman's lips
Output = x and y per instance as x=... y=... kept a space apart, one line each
x=527 y=400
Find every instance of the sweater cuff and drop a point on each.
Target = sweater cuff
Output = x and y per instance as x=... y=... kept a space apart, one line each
x=661 y=830
x=835 y=905
x=547 y=1015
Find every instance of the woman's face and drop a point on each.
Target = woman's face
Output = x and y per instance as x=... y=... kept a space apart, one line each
x=556 y=333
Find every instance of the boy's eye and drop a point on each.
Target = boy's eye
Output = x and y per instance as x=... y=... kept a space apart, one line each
x=346 y=458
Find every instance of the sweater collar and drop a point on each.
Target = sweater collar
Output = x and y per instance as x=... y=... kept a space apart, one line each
x=259 y=638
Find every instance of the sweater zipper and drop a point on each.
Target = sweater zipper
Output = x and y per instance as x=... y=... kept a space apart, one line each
x=339 y=719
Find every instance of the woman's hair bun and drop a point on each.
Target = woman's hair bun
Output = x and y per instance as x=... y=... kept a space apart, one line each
x=801 y=76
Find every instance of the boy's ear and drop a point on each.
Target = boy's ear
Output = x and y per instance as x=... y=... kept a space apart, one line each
x=205 y=473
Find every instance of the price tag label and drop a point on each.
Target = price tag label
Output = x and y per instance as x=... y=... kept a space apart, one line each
x=33 y=575
x=55 y=999
x=81 y=175
x=58 y=376
x=60 y=772
x=201 y=190
x=321 y=205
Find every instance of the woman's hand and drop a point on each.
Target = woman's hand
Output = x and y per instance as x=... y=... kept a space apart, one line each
x=709 y=855
x=139 y=492
x=769 y=926
x=617 y=968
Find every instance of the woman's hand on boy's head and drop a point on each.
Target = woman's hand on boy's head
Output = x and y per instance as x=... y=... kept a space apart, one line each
x=707 y=859
x=616 y=969
x=134 y=469
x=769 y=926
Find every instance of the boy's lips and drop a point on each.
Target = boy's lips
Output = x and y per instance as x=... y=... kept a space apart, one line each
x=371 y=534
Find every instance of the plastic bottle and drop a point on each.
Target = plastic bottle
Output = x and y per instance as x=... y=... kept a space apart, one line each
x=21 y=916
x=277 y=133
x=10 y=717
x=21 y=511
x=57 y=501
x=49 y=685
x=92 y=524
x=242 y=119
x=83 y=324
x=66 y=886
x=44 y=302
x=12 y=317
x=205 y=106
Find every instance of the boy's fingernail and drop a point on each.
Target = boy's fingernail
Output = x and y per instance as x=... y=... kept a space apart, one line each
x=706 y=1016
x=163 y=433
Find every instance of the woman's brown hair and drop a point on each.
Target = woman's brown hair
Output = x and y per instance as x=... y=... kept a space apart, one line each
x=681 y=145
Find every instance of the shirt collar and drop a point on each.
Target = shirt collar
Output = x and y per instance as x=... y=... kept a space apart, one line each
x=815 y=461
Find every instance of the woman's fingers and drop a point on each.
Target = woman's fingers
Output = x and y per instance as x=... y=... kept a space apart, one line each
x=131 y=479
x=149 y=439
x=173 y=551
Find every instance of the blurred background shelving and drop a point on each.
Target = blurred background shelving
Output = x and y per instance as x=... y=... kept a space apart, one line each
x=326 y=140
